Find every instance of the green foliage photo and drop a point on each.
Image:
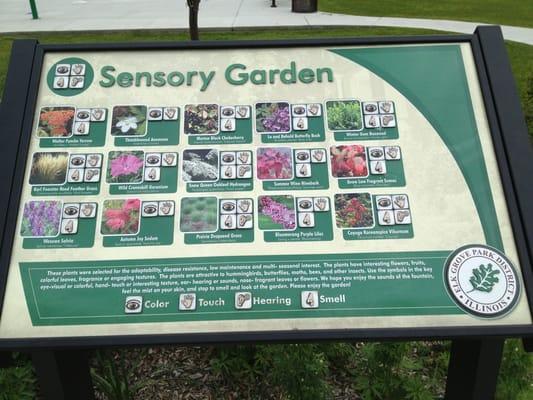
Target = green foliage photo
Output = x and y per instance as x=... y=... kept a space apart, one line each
x=344 y=115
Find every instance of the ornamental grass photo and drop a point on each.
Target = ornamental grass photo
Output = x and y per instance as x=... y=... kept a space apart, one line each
x=121 y=217
x=354 y=210
x=199 y=214
x=348 y=161
x=49 y=168
x=201 y=119
x=55 y=122
x=276 y=213
x=272 y=117
x=41 y=219
x=125 y=167
x=274 y=163
x=129 y=121
x=344 y=115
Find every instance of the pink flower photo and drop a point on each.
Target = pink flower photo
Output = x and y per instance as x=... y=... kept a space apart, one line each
x=125 y=167
x=274 y=163
x=121 y=217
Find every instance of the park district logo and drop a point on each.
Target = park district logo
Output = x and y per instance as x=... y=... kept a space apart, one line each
x=70 y=76
x=482 y=281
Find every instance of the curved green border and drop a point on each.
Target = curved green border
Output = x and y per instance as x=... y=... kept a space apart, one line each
x=434 y=80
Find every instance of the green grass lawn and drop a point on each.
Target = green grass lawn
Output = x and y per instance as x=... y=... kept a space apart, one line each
x=505 y=12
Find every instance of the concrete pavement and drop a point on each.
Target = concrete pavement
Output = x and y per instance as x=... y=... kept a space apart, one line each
x=96 y=15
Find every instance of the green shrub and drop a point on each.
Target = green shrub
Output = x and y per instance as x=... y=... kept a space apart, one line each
x=235 y=364
x=397 y=371
x=516 y=373
x=113 y=378
x=18 y=382
x=297 y=371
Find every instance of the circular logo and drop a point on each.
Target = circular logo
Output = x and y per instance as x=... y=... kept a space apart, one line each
x=482 y=281
x=70 y=76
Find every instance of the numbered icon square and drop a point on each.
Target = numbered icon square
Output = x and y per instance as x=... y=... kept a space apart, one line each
x=187 y=302
x=309 y=299
x=386 y=217
x=243 y=300
x=69 y=226
x=133 y=305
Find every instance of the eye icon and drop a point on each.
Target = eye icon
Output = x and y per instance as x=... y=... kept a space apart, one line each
x=133 y=305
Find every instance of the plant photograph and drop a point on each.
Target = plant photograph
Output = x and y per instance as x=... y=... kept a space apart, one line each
x=41 y=218
x=125 y=167
x=200 y=165
x=55 y=122
x=344 y=115
x=274 y=163
x=348 y=161
x=354 y=210
x=129 y=121
x=120 y=217
x=199 y=214
x=277 y=213
x=272 y=117
x=49 y=168
x=201 y=119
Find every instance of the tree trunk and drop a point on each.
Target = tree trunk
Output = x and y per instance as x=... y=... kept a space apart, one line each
x=194 y=6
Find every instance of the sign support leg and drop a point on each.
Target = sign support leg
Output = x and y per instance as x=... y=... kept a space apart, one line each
x=473 y=369
x=63 y=374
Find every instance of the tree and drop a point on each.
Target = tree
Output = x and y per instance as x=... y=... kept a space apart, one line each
x=194 y=6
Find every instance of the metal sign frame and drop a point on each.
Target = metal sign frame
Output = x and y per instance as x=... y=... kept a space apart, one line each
x=509 y=136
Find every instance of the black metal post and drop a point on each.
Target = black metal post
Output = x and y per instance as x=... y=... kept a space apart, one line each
x=473 y=369
x=63 y=374
x=194 y=7
x=273 y=3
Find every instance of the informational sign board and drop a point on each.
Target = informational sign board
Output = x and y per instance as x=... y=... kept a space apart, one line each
x=256 y=189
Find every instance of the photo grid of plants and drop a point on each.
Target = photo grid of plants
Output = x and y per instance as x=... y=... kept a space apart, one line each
x=205 y=165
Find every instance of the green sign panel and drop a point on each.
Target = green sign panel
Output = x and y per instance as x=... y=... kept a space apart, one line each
x=261 y=189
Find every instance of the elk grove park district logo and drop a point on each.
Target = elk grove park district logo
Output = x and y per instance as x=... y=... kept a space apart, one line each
x=482 y=281
x=70 y=76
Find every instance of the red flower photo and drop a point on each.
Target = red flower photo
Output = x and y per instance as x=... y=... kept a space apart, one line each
x=354 y=210
x=121 y=217
x=348 y=161
x=55 y=122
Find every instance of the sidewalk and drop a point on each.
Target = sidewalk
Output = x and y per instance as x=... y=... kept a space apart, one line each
x=95 y=15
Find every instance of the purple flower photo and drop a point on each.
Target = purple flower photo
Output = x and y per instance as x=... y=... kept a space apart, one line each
x=41 y=218
x=273 y=117
x=277 y=213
